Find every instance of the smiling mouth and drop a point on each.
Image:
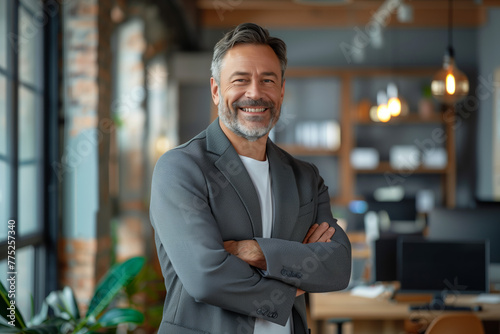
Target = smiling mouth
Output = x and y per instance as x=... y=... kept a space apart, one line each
x=253 y=110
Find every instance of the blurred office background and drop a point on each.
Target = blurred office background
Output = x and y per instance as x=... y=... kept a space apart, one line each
x=93 y=92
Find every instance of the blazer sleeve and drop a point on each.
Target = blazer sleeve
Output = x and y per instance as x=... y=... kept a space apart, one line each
x=181 y=217
x=315 y=267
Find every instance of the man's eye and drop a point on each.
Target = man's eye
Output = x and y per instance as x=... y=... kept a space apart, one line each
x=239 y=80
x=268 y=81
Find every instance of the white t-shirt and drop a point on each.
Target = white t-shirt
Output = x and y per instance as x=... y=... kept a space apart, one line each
x=261 y=178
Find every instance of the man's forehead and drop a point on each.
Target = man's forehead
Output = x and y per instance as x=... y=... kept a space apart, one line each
x=246 y=55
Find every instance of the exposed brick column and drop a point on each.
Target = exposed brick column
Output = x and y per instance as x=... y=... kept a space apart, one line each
x=106 y=128
x=85 y=246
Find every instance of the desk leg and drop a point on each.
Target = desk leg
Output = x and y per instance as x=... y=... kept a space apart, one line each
x=319 y=327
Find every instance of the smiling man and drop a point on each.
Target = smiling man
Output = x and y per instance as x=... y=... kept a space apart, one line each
x=242 y=228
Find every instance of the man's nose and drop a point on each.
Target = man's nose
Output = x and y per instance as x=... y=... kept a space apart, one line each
x=254 y=90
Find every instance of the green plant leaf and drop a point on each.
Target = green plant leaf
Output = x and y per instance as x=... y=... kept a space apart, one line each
x=69 y=300
x=41 y=316
x=118 y=316
x=64 y=304
x=118 y=277
x=54 y=300
x=43 y=329
x=5 y=304
x=9 y=329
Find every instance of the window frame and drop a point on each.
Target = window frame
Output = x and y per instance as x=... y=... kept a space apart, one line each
x=44 y=240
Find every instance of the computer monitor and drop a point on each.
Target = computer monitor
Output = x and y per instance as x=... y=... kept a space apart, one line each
x=384 y=256
x=467 y=224
x=441 y=268
x=403 y=210
x=397 y=211
x=384 y=259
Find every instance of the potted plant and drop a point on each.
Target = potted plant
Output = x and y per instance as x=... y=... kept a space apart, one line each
x=66 y=317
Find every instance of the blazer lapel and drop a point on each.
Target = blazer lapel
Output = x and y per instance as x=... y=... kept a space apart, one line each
x=231 y=166
x=285 y=193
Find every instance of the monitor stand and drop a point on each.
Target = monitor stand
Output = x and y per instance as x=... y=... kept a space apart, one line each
x=438 y=304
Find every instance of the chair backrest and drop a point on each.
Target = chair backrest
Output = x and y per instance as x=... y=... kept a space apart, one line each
x=456 y=323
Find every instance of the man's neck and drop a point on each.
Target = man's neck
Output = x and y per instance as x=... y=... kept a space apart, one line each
x=252 y=149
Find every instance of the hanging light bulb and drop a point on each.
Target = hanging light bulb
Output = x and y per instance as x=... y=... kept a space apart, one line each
x=393 y=104
x=450 y=84
x=383 y=113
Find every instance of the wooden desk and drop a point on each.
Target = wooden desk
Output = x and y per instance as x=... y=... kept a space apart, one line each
x=381 y=315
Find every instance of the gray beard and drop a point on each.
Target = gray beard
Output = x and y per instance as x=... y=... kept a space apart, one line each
x=230 y=120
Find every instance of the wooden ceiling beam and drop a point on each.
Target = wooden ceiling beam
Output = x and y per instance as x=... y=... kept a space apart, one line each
x=287 y=14
x=315 y=18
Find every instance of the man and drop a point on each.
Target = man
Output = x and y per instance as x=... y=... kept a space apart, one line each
x=242 y=228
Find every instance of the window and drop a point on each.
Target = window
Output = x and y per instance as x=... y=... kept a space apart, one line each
x=26 y=146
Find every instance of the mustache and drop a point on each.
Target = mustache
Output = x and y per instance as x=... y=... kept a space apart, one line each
x=253 y=103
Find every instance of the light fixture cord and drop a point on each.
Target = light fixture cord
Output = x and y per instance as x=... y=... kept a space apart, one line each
x=450 y=29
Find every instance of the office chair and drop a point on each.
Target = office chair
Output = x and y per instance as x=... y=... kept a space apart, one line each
x=456 y=323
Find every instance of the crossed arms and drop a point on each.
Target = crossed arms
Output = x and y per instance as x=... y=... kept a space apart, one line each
x=250 y=251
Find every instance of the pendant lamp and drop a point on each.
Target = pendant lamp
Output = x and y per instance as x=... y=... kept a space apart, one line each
x=450 y=84
x=393 y=102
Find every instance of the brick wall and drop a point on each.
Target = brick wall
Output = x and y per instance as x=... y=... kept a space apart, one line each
x=77 y=268
x=110 y=175
x=106 y=129
x=85 y=246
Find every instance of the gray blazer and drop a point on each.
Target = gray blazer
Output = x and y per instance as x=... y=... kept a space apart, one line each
x=202 y=196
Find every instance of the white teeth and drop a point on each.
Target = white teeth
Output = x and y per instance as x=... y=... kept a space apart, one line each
x=253 y=109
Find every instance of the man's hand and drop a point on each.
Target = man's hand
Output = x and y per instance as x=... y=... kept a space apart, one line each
x=250 y=252
x=319 y=233
x=247 y=250
x=299 y=292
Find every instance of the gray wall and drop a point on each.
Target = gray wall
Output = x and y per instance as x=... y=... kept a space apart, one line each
x=190 y=74
x=402 y=47
x=194 y=113
x=489 y=60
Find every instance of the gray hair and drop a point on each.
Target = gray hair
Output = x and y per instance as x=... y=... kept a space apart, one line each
x=247 y=33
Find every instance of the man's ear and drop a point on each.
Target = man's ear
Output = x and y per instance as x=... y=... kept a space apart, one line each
x=214 y=88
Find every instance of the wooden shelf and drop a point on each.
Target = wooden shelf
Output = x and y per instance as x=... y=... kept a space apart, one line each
x=348 y=120
x=410 y=119
x=308 y=151
x=385 y=167
x=361 y=72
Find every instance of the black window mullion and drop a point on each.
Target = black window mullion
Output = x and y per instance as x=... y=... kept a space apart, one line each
x=13 y=110
x=33 y=239
x=50 y=133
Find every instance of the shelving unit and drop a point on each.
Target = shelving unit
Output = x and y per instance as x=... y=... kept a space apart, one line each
x=349 y=121
x=385 y=167
x=307 y=151
x=410 y=119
